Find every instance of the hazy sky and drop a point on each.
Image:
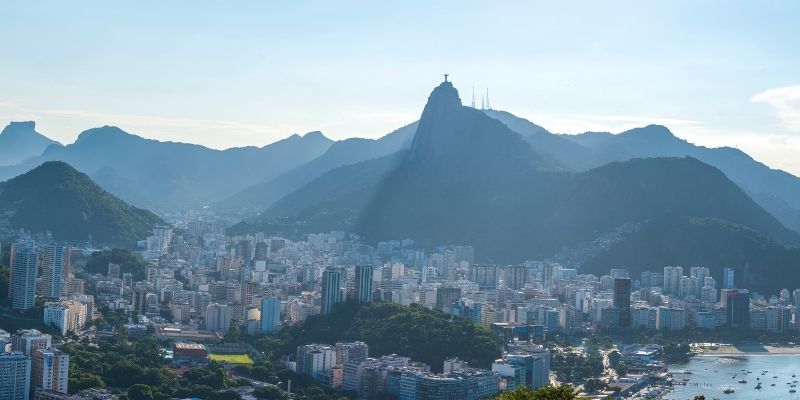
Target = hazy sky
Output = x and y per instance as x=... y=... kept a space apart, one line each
x=226 y=74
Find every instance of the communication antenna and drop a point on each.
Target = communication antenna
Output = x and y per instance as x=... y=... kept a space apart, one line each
x=488 y=105
x=473 y=96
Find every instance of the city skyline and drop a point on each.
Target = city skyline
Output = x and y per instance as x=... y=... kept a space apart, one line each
x=713 y=79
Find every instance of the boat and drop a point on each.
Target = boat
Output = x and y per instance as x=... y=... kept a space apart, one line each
x=793 y=391
x=742 y=381
x=758 y=386
x=727 y=390
x=772 y=384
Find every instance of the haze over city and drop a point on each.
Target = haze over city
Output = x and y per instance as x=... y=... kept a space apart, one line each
x=349 y=200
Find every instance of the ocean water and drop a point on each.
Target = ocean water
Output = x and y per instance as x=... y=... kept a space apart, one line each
x=711 y=374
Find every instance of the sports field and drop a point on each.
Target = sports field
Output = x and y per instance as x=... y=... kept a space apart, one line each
x=231 y=358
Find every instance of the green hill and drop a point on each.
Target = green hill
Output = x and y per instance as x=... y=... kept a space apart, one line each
x=129 y=263
x=57 y=198
x=413 y=331
x=759 y=263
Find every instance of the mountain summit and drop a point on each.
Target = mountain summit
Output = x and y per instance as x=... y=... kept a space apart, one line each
x=450 y=132
x=19 y=141
x=55 y=197
x=469 y=179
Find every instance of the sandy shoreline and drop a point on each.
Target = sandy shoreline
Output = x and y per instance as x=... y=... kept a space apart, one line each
x=749 y=350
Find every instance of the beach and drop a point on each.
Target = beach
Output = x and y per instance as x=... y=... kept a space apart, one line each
x=745 y=349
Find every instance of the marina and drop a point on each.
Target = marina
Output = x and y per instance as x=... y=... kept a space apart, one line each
x=747 y=377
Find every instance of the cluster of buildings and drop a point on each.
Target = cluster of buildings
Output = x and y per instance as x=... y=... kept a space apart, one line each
x=672 y=301
x=30 y=367
x=348 y=366
x=40 y=270
x=201 y=283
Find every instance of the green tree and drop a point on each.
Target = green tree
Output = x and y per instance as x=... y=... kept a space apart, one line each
x=563 y=392
x=140 y=391
x=268 y=393
x=614 y=358
x=233 y=335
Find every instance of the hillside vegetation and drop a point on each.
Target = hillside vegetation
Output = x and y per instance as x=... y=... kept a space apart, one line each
x=414 y=331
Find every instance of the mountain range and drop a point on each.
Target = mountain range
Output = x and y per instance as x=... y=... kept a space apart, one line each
x=19 y=141
x=461 y=175
x=57 y=198
x=168 y=176
x=467 y=177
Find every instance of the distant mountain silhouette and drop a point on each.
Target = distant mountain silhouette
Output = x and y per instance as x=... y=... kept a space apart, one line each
x=57 y=198
x=468 y=178
x=175 y=176
x=775 y=190
x=19 y=141
x=346 y=152
x=559 y=149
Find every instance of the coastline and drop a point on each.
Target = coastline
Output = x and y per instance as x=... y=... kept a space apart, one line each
x=747 y=350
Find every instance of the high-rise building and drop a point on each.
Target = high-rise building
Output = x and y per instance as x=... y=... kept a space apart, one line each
x=113 y=271
x=516 y=276
x=331 y=289
x=28 y=340
x=364 y=283
x=671 y=318
x=644 y=317
x=484 y=275
x=270 y=315
x=548 y=274
x=351 y=351
x=737 y=306
x=699 y=272
x=49 y=370
x=57 y=315
x=446 y=297
x=672 y=279
x=22 y=279
x=529 y=368
x=619 y=273
x=52 y=270
x=315 y=359
x=218 y=317
x=465 y=253
x=15 y=376
x=622 y=300
x=727 y=278
x=262 y=251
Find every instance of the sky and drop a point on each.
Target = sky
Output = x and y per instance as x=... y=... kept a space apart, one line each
x=227 y=74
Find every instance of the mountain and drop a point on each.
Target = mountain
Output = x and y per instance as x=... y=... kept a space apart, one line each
x=757 y=260
x=57 y=198
x=169 y=176
x=346 y=152
x=468 y=178
x=555 y=147
x=775 y=190
x=19 y=141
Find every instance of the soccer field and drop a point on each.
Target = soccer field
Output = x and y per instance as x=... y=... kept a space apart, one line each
x=231 y=358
